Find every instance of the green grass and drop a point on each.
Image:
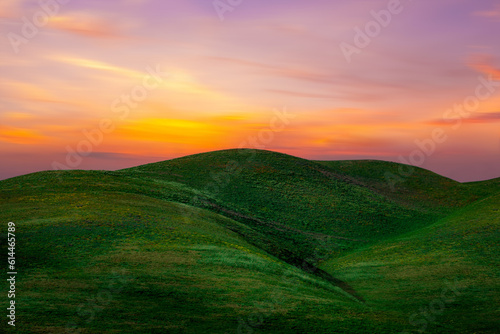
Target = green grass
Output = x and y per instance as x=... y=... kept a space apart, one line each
x=229 y=241
x=300 y=201
x=412 y=186
x=409 y=272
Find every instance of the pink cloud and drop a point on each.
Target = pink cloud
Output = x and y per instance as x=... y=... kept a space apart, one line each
x=84 y=25
x=485 y=64
x=478 y=118
x=492 y=13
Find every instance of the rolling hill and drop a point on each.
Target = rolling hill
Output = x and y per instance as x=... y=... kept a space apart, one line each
x=250 y=241
x=413 y=186
x=417 y=272
x=299 y=201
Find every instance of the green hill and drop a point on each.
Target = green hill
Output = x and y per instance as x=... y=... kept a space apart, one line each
x=147 y=265
x=412 y=186
x=248 y=241
x=408 y=275
x=299 y=201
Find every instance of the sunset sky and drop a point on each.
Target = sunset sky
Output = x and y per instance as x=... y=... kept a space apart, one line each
x=429 y=70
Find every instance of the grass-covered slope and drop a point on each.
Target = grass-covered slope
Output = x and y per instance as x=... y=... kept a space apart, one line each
x=297 y=200
x=440 y=279
x=94 y=256
x=412 y=186
x=226 y=242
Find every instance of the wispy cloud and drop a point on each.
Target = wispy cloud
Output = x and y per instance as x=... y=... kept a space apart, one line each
x=485 y=64
x=301 y=94
x=86 y=24
x=490 y=117
x=493 y=13
x=282 y=71
x=97 y=65
x=18 y=135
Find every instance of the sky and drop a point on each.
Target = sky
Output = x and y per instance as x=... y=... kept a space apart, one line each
x=88 y=84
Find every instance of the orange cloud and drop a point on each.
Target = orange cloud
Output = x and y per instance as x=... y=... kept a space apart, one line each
x=28 y=91
x=18 y=116
x=489 y=117
x=484 y=64
x=85 y=24
x=169 y=130
x=20 y=136
x=182 y=81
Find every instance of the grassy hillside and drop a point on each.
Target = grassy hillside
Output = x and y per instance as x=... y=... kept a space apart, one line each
x=299 y=201
x=229 y=241
x=412 y=186
x=110 y=260
x=417 y=272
